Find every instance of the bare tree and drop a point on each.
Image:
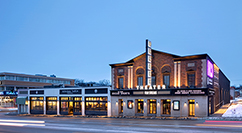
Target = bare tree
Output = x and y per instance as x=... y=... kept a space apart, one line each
x=104 y=82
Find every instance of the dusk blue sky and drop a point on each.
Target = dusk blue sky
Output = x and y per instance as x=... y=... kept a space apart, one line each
x=79 y=39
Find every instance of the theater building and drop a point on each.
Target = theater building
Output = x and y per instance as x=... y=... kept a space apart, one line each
x=70 y=101
x=156 y=83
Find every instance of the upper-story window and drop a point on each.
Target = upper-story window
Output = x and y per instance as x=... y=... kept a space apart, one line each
x=67 y=82
x=166 y=70
x=140 y=81
x=191 y=79
x=120 y=83
x=120 y=71
x=34 y=79
x=153 y=80
x=153 y=77
x=140 y=75
x=1 y=88
x=10 y=77
x=2 y=77
x=21 y=78
x=166 y=80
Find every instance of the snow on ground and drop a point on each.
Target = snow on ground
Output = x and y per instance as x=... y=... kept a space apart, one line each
x=235 y=110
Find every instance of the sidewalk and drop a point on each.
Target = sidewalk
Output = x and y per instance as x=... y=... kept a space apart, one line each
x=216 y=116
x=221 y=111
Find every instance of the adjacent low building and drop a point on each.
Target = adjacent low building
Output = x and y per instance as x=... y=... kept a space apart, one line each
x=156 y=83
x=10 y=83
x=70 y=101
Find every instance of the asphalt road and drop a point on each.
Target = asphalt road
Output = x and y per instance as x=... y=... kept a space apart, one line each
x=16 y=124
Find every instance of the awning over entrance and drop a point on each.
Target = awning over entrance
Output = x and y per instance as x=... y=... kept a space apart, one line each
x=21 y=100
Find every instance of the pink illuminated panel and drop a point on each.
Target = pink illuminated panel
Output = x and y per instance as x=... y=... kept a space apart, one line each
x=210 y=69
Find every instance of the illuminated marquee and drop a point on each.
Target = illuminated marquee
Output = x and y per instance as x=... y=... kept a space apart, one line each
x=146 y=87
x=122 y=93
x=210 y=70
x=186 y=92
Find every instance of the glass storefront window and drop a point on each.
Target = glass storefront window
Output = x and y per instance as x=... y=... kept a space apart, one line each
x=51 y=105
x=152 y=106
x=121 y=104
x=64 y=107
x=166 y=106
x=51 y=98
x=37 y=105
x=71 y=105
x=36 y=98
x=140 y=106
x=64 y=98
x=78 y=98
x=95 y=106
x=77 y=107
x=191 y=106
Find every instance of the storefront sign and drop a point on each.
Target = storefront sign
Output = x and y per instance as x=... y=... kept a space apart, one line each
x=9 y=93
x=138 y=92
x=148 y=62
x=122 y=93
x=146 y=87
x=210 y=74
x=37 y=92
x=216 y=76
x=210 y=69
x=74 y=91
x=150 y=92
x=164 y=92
x=185 y=92
x=96 y=91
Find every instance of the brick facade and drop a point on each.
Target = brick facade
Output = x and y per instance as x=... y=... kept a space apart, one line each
x=162 y=63
x=178 y=68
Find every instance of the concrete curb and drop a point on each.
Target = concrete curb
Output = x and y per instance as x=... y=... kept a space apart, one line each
x=131 y=117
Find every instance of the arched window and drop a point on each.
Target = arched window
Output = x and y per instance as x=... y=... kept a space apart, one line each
x=140 y=74
x=166 y=70
x=153 y=78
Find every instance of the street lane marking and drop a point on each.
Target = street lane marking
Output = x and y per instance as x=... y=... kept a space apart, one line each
x=208 y=121
x=29 y=121
x=20 y=124
x=213 y=125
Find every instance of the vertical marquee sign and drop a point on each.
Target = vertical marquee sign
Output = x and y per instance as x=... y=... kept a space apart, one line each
x=148 y=62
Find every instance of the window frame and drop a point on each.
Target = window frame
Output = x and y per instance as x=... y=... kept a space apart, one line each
x=166 y=74
x=194 y=79
x=138 y=81
x=152 y=80
x=119 y=85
